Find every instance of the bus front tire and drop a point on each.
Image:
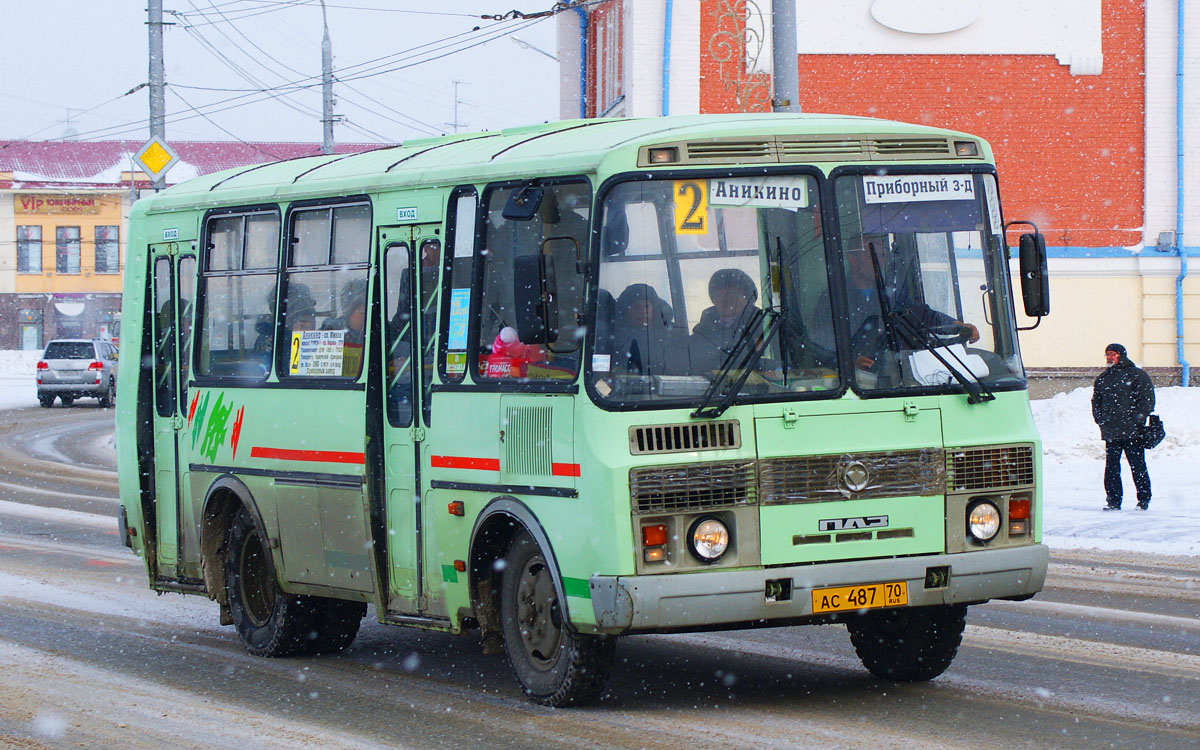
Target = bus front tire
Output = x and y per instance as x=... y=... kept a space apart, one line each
x=554 y=666
x=270 y=622
x=908 y=645
x=335 y=624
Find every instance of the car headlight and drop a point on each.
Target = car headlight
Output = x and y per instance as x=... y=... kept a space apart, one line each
x=983 y=520
x=708 y=539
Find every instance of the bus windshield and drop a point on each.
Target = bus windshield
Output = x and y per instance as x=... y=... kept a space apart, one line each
x=712 y=282
x=717 y=289
x=926 y=293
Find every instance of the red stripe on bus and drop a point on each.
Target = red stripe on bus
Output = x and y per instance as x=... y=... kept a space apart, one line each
x=564 y=470
x=463 y=462
x=289 y=454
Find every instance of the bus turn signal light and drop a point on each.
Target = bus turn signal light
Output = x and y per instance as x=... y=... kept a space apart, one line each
x=654 y=536
x=1018 y=508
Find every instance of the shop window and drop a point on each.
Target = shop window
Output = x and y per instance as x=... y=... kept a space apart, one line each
x=29 y=249
x=107 y=248
x=66 y=249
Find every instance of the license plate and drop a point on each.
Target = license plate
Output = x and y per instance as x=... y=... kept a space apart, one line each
x=869 y=596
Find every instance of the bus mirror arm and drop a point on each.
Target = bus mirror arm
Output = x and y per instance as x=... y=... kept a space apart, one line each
x=1035 y=278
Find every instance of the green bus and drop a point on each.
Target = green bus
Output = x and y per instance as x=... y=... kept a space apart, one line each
x=583 y=379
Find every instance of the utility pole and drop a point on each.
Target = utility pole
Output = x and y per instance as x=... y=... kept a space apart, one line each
x=785 y=77
x=158 y=105
x=455 y=123
x=326 y=86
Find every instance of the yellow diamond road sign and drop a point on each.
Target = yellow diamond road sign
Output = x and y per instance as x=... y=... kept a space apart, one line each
x=156 y=157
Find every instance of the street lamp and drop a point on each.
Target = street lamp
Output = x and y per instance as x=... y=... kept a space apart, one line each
x=526 y=45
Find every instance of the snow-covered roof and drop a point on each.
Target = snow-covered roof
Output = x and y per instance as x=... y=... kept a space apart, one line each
x=101 y=163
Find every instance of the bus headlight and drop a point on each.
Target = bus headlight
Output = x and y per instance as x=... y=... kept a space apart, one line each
x=708 y=539
x=983 y=520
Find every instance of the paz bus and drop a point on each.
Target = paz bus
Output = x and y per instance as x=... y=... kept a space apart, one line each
x=579 y=380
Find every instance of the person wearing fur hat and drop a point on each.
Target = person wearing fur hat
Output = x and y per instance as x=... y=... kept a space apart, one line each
x=1122 y=399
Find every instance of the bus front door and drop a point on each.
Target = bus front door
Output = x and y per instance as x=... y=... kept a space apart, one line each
x=173 y=281
x=411 y=259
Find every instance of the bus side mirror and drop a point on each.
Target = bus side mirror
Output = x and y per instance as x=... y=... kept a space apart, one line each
x=523 y=203
x=1035 y=281
x=535 y=297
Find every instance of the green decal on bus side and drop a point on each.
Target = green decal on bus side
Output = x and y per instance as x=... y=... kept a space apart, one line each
x=214 y=435
x=577 y=587
x=449 y=574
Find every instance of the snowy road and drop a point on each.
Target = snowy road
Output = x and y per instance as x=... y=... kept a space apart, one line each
x=1107 y=656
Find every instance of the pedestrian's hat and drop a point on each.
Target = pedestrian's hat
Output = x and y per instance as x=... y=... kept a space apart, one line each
x=1117 y=348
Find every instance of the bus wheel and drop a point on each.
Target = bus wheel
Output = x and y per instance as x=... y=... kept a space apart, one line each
x=335 y=624
x=554 y=666
x=908 y=645
x=270 y=622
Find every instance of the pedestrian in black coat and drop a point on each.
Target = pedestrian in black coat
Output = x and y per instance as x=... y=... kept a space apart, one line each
x=1122 y=399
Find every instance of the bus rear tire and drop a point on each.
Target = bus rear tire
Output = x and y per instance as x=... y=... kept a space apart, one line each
x=908 y=645
x=553 y=666
x=270 y=622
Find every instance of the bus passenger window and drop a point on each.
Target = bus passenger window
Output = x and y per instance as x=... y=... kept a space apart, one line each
x=326 y=292
x=237 y=293
x=558 y=232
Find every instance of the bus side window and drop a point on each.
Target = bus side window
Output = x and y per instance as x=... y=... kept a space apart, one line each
x=237 y=294
x=325 y=285
x=458 y=271
x=398 y=310
x=558 y=231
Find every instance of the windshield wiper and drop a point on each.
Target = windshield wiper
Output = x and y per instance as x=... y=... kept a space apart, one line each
x=915 y=331
x=743 y=355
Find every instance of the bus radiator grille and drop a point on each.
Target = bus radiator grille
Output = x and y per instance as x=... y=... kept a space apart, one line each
x=692 y=487
x=992 y=467
x=679 y=438
x=810 y=479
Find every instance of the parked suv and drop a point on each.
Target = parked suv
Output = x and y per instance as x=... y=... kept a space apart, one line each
x=78 y=368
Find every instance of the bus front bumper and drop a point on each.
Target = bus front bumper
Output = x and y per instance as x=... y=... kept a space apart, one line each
x=656 y=603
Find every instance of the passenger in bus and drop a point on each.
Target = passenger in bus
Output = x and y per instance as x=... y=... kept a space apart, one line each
x=353 y=321
x=868 y=340
x=733 y=295
x=301 y=309
x=645 y=342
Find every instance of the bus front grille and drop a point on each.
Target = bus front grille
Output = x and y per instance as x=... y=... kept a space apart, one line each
x=852 y=476
x=677 y=438
x=992 y=467
x=692 y=487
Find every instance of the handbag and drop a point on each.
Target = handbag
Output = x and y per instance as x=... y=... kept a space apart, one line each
x=1150 y=434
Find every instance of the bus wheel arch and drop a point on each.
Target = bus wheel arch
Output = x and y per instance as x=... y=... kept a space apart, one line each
x=523 y=599
x=225 y=497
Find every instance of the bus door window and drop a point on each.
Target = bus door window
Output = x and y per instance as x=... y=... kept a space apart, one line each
x=459 y=272
x=558 y=232
x=325 y=284
x=187 y=310
x=164 y=338
x=237 y=295
x=431 y=260
x=399 y=330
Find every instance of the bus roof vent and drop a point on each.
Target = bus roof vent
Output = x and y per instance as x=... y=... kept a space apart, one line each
x=726 y=150
x=678 y=438
x=821 y=148
x=994 y=467
x=912 y=147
